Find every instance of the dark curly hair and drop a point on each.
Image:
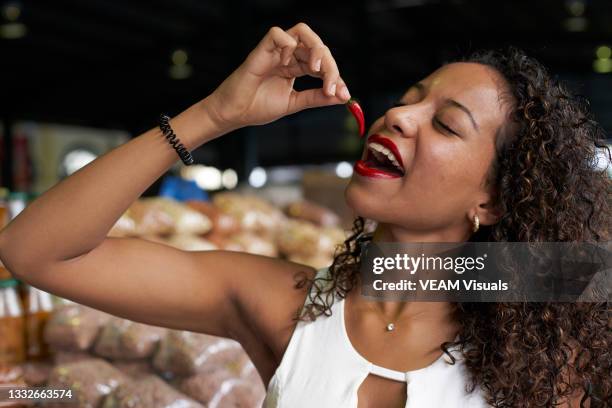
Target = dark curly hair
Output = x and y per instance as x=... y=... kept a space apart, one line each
x=549 y=190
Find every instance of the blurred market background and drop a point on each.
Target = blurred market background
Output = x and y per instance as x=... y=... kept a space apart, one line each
x=79 y=78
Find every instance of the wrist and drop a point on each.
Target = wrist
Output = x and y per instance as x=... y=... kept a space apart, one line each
x=211 y=109
x=198 y=124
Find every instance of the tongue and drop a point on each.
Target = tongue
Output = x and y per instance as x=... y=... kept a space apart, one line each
x=379 y=162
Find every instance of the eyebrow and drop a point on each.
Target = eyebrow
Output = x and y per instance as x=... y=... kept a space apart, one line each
x=421 y=88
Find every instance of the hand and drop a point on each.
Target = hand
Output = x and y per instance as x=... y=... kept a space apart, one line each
x=261 y=89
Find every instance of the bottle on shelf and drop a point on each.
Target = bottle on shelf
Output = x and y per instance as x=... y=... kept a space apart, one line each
x=38 y=306
x=4 y=220
x=12 y=325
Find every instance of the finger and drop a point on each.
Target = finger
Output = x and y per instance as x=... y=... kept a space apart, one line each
x=287 y=54
x=304 y=34
x=319 y=59
x=299 y=68
x=303 y=55
x=300 y=64
x=312 y=57
x=342 y=91
x=311 y=98
x=330 y=72
x=316 y=57
x=279 y=42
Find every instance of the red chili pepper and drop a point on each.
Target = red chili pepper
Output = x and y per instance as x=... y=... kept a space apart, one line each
x=354 y=107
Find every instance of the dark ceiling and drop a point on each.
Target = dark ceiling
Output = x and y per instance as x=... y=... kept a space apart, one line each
x=105 y=63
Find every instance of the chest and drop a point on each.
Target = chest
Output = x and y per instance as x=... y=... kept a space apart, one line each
x=326 y=364
x=378 y=392
x=321 y=364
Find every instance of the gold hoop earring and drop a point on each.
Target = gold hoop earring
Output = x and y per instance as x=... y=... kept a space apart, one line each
x=476 y=223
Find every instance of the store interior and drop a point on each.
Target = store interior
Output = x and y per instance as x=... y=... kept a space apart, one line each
x=80 y=78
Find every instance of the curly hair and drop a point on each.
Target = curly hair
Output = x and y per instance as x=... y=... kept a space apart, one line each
x=549 y=189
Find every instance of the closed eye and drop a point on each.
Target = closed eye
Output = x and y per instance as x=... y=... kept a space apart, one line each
x=443 y=126
x=436 y=120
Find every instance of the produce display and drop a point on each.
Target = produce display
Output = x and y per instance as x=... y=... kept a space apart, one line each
x=74 y=327
x=91 y=380
x=124 y=339
x=111 y=362
x=302 y=232
x=146 y=392
x=183 y=353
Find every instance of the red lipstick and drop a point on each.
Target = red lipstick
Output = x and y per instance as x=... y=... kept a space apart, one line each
x=362 y=169
x=365 y=168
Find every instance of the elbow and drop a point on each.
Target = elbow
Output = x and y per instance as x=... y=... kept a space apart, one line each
x=11 y=259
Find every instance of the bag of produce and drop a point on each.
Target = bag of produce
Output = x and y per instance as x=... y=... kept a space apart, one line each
x=149 y=219
x=184 y=353
x=237 y=393
x=204 y=385
x=184 y=220
x=136 y=369
x=222 y=223
x=253 y=213
x=125 y=339
x=309 y=211
x=250 y=374
x=124 y=227
x=74 y=327
x=148 y=392
x=305 y=240
x=90 y=380
x=218 y=387
x=36 y=373
x=253 y=243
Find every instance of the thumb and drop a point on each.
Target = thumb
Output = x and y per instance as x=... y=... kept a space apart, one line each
x=313 y=98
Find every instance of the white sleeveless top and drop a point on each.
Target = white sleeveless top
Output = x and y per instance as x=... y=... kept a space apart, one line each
x=321 y=368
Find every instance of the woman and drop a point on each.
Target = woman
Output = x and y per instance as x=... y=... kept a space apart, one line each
x=489 y=144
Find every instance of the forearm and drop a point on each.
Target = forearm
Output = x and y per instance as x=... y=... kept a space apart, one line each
x=75 y=215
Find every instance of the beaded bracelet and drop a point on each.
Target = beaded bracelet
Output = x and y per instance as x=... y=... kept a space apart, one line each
x=164 y=125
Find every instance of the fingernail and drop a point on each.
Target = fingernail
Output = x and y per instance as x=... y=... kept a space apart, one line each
x=317 y=65
x=344 y=93
x=332 y=89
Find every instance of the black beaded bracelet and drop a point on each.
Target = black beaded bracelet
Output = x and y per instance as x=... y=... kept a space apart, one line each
x=164 y=125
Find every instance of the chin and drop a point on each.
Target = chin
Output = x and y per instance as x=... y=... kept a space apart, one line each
x=362 y=202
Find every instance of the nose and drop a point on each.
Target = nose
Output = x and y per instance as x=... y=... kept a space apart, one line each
x=401 y=120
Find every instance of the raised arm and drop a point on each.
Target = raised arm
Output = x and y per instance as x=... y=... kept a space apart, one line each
x=59 y=242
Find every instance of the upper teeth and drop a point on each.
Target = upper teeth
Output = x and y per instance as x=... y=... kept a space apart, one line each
x=378 y=148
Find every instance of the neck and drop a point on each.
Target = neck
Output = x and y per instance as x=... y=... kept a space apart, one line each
x=394 y=233
x=412 y=311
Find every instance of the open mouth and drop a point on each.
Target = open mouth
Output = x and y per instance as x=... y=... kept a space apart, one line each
x=382 y=159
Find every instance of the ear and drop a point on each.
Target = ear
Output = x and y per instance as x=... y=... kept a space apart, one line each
x=488 y=210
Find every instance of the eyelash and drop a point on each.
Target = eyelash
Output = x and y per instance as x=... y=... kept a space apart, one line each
x=442 y=125
x=436 y=120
